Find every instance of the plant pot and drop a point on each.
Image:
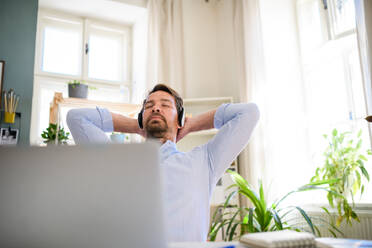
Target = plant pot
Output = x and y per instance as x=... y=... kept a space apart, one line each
x=117 y=138
x=53 y=143
x=9 y=117
x=78 y=91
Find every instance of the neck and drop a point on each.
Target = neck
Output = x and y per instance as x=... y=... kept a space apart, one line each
x=163 y=138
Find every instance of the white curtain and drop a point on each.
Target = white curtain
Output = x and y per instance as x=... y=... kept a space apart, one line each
x=269 y=71
x=165 y=58
x=251 y=76
x=363 y=15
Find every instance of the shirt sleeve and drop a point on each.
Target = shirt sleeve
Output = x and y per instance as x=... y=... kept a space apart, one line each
x=236 y=123
x=89 y=125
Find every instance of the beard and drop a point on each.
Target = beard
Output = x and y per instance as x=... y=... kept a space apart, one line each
x=156 y=128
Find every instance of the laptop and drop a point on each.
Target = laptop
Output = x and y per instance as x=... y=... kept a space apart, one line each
x=81 y=196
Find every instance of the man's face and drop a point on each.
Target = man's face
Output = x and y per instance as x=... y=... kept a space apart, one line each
x=160 y=115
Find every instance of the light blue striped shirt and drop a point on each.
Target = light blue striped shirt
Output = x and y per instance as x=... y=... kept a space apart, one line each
x=189 y=177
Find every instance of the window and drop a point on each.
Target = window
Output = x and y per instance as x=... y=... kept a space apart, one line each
x=68 y=48
x=81 y=48
x=341 y=14
x=61 y=46
x=107 y=53
x=332 y=73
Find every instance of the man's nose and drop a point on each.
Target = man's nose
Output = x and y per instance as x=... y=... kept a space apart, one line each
x=155 y=109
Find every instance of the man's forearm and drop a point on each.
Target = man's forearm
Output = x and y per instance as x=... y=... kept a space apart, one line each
x=125 y=124
x=203 y=121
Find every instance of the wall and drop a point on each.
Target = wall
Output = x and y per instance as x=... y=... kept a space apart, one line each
x=17 y=47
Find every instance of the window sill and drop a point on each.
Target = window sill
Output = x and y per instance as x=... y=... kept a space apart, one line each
x=360 y=208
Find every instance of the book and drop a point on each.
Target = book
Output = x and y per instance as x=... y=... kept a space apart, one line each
x=279 y=239
x=342 y=243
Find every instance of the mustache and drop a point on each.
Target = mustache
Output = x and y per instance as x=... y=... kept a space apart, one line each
x=156 y=114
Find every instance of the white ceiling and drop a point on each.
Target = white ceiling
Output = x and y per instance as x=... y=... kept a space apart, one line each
x=120 y=11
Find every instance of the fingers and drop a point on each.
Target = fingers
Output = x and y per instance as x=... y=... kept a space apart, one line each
x=181 y=133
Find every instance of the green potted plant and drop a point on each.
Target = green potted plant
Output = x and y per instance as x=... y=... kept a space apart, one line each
x=50 y=135
x=234 y=221
x=344 y=160
x=77 y=89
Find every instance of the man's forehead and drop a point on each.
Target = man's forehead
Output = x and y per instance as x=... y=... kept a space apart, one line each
x=160 y=96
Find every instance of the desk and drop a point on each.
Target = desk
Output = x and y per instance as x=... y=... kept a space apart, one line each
x=205 y=245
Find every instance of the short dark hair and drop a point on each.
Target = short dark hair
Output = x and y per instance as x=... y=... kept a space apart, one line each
x=172 y=92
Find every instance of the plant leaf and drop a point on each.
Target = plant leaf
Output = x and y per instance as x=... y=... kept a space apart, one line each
x=307 y=218
x=233 y=232
x=232 y=194
x=364 y=172
x=277 y=220
x=231 y=221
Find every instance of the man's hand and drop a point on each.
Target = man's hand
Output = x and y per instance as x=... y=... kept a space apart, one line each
x=126 y=125
x=187 y=127
x=141 y=132
x=201 y=122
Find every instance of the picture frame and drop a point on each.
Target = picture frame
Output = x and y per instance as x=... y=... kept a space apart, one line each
x=9 y=136
x=2 y=68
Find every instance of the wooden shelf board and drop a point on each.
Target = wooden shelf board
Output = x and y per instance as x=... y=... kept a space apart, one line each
x=120 y=107
x=204 y=132
x=208 y=100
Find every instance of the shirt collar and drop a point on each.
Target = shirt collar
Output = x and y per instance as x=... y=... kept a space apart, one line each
x=167 y=149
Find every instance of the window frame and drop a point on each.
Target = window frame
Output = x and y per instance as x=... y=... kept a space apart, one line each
x=125 y=30
x=327 y=25
x=331 y=19
x=41 y=78
x=48 y=14
x=126 y=39
x=354 y=122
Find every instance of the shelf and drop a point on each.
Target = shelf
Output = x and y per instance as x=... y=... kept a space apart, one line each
x=204 y=132
x=207 y=100
x=127 y=108
x=58 y=101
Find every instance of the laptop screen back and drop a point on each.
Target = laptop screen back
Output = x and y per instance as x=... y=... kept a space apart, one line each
x=91 y=196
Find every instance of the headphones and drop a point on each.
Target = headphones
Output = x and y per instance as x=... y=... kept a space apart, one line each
x=181 y=117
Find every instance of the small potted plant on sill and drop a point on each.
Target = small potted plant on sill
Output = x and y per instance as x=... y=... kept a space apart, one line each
x=344 y=160
x=77 y=89
x=50 y=135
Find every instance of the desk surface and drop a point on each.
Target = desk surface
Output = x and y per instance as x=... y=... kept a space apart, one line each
x=205 y=245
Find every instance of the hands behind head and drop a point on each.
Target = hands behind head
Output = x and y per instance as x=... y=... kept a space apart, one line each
x=141 y=132
x=187 y=128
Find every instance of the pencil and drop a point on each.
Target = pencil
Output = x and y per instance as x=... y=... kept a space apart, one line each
x=11 y=103
x=5 y=102
x=16 y=104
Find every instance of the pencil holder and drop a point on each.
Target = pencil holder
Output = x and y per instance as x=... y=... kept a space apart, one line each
x=9 y=117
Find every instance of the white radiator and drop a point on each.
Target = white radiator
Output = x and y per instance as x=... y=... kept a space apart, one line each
x=362 y=230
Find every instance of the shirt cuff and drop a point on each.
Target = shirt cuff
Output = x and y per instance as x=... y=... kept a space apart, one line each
x=219 y=116
x=106 y=119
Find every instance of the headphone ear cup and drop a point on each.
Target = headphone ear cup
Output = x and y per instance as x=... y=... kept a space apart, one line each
x=181 y=118
x=139 y=118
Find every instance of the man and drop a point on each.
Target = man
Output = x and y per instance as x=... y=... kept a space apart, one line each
x=189 y=177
